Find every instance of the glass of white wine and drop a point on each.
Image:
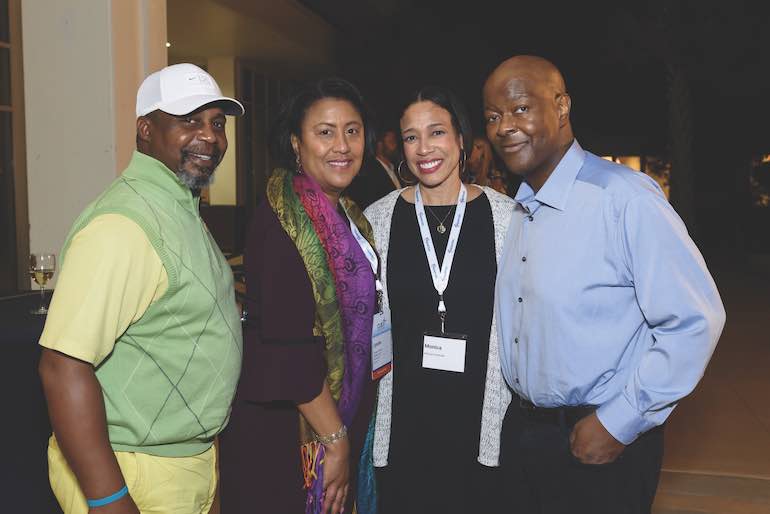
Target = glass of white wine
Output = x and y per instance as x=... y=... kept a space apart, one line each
x=41 y=269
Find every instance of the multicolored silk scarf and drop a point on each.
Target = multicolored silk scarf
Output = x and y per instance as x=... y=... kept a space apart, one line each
x=343 y=287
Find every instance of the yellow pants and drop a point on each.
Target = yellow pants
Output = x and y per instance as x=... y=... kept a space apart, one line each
x=158 y=485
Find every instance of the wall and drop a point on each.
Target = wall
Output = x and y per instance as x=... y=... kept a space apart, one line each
x=281 y=37
x=138 y=49
x=83 y=61
x=280 y=33
x=222 y=191
x=69 y=112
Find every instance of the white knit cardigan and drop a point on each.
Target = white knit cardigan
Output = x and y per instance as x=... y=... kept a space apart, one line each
x=497 y=396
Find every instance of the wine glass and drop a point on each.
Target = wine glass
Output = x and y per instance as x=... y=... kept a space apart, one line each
x=41 y=269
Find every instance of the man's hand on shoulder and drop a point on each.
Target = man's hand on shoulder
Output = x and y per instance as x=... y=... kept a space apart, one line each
x=590 y=442
x=124 y=505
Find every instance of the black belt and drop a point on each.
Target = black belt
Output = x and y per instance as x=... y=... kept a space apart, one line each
x=566 y=415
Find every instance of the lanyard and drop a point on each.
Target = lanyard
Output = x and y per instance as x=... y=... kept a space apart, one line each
x=371 y=256
x=440 y=274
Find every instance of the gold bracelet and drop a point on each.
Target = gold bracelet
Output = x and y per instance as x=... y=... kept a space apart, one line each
x=332 y=438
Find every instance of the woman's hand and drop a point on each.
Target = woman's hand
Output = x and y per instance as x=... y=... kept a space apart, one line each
x=321 y=413
x=336 y=476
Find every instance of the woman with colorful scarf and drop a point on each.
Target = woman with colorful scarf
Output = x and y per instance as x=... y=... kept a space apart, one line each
x=301 y=415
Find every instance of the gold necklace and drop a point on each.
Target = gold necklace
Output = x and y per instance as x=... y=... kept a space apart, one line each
x=440 y=228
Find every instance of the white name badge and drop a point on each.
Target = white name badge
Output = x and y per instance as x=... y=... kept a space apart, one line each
x=443 y=352
x=382 y=345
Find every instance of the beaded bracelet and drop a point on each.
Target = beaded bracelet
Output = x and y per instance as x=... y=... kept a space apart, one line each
x=108 y=499
x=333 y=437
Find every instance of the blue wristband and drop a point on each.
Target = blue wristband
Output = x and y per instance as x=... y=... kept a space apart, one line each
x=108 y=499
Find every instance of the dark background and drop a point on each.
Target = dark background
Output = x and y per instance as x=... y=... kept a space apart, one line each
x=612 y=55
x=621 y=61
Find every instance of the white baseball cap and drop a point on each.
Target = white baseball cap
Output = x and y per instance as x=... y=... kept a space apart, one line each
x=180 y=89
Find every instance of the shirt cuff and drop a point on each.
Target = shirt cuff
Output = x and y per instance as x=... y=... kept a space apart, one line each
x=622 y=420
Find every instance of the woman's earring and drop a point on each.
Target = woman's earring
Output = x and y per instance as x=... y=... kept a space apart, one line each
x=461 y=164
x=405 y=182
x=299 y=170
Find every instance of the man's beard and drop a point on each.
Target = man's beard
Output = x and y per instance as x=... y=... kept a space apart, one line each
x=204 y=176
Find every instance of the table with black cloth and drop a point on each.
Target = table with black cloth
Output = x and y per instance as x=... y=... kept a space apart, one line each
x=25 y=425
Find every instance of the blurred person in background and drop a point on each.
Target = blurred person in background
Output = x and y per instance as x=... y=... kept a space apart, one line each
x=481 y=167
x=378 y=175
x=480 y=162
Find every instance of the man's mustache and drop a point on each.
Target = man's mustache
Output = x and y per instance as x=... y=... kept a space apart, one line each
x=215 y=154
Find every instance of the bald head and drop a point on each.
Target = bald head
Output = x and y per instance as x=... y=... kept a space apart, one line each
x=531 y=68
x=527 y=108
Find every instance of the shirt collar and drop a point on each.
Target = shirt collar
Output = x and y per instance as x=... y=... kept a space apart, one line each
x=388 y=166
x=148 y=169
x=555 y=191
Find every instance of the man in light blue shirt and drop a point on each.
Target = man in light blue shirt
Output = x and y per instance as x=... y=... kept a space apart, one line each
x=607 y=313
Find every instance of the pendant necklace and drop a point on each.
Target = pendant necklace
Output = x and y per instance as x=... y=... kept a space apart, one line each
x=440 y=228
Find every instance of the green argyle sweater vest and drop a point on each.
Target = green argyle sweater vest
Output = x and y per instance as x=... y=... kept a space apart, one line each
x=169 y=382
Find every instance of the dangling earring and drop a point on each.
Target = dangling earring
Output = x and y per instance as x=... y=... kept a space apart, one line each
x=299 y=169
x=461 y=164
x=401 y=177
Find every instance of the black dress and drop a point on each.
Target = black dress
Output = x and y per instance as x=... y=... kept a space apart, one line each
x=436 y=417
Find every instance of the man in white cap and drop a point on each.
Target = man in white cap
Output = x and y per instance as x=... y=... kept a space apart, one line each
x=142 y=345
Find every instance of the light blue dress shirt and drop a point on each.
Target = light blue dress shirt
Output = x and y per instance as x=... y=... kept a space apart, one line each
x=603 y=298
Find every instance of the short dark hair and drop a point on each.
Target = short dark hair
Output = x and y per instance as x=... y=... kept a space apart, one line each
x=447 y=100
x=293 y=110
x=382 y=133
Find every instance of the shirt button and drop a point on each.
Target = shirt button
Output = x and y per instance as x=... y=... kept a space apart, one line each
x=517 y=380
x=523 y=259
x=520 y=299
x=516 y=340
x=531 y=218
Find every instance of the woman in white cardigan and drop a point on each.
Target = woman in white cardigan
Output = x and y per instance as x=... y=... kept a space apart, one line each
x=440 y=410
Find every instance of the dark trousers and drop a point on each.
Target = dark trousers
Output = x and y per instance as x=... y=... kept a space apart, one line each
x=543 y=477
x=455 y=488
